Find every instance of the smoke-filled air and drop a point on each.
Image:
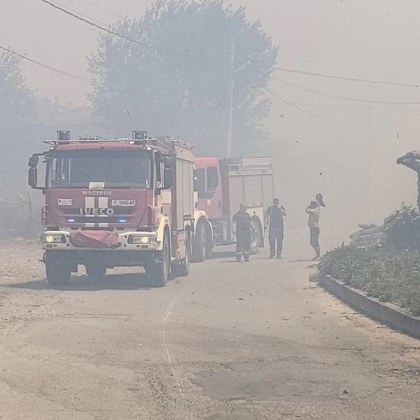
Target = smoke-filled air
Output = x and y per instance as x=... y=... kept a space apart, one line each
x=210 y=209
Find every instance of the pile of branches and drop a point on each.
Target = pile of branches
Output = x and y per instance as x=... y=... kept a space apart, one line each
x=369 y=236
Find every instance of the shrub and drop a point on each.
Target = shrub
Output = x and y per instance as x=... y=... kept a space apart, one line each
x=403 y=229
x=389 y=276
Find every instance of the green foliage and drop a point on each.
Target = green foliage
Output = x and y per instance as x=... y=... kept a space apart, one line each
x=348 y=264
x=388 y=276
x=16 y=100
x=177 y=82
x=403 y=229
x=17 y=120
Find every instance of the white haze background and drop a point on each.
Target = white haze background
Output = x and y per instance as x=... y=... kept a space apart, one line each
x=348 y=151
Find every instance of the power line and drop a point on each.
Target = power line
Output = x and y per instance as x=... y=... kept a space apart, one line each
x=81 y=14
x=103 y=8
x=344 y=97
x=45 y=66
x=54 y=69
x=352 y=79
x=102 y=28
x=350 y=60
x=299 y=108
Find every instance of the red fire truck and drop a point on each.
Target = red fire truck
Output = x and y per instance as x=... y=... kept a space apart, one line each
x=223 y=184
x=110 y=203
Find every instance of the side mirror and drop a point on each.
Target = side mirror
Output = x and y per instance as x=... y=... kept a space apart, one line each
x=169 y=178
x=196 y=184
x=33 y=161
x=33 y=177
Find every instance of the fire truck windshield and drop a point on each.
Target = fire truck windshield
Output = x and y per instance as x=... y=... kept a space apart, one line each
x=114 y=169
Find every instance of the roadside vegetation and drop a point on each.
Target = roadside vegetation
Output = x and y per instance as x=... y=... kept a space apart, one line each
x=391 y=272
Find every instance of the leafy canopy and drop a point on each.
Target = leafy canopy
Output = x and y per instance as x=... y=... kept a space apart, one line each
x=16 y=100
x=17 y=119
x=176 y=78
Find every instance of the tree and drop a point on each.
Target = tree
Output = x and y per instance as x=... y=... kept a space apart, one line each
x=17 y=102
x=176 y=78
x=17 y=118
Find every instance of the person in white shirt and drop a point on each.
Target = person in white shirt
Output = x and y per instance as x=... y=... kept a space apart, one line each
x=313 y=222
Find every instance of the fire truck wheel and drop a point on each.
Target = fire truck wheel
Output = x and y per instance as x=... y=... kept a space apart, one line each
x=199 y=248
x=158 y=274
x=58 y=274
x=183 y=267
x=96 y=271
x=256 y=235
x=209 y=243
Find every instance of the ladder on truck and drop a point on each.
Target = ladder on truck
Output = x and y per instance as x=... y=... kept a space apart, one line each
x=138 y=138
x=250 y=166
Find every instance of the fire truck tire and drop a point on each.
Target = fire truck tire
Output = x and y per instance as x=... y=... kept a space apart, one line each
x=95 y=271
x=58 y=274
x=209 y=243
x=182 y=268
x=256 y=235
x=199 y=248
x=158 y=274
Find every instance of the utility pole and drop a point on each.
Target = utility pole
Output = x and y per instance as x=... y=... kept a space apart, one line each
x=232 y=72
x=231 y=98
x=370 y=171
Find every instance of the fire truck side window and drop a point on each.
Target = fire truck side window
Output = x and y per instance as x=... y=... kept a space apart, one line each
x=59 y=171
x=212 y=179
x=200 y=174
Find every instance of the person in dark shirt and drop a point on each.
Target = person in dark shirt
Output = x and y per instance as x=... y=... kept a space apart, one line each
x=274 y=220
x=242 y=228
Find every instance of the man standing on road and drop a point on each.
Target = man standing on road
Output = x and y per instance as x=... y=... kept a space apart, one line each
x=242 y=228
x=313 y=222
x=274 y=220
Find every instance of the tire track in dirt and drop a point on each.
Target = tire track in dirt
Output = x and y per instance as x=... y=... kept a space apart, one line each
x=165 y=322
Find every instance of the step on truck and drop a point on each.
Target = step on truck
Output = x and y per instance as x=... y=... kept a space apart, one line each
x=223 y=184
x=114 y=203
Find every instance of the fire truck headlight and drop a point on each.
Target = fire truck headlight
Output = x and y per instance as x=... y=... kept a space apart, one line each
x=53 y=238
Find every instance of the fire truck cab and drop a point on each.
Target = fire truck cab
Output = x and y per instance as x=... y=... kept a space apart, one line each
x=118 y=202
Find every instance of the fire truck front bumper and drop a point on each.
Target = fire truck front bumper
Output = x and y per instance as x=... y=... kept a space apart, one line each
x=131 y=248
x=124 y=241
x=108 y=258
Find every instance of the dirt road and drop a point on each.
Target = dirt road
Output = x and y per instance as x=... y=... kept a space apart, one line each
x=232 y=341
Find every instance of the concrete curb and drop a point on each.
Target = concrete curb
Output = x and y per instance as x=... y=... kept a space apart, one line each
x=383 y=313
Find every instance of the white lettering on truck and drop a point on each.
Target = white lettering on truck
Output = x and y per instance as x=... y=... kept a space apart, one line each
x=97 y=212
x=123 y=203
x=96 y=193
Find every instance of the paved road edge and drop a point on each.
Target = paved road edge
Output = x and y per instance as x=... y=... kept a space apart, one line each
x=383 y=313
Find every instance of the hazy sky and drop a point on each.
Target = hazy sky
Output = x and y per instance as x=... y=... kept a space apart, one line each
x=327 y=143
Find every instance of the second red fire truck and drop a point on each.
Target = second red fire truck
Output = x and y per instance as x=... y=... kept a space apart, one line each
x=223 y=184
